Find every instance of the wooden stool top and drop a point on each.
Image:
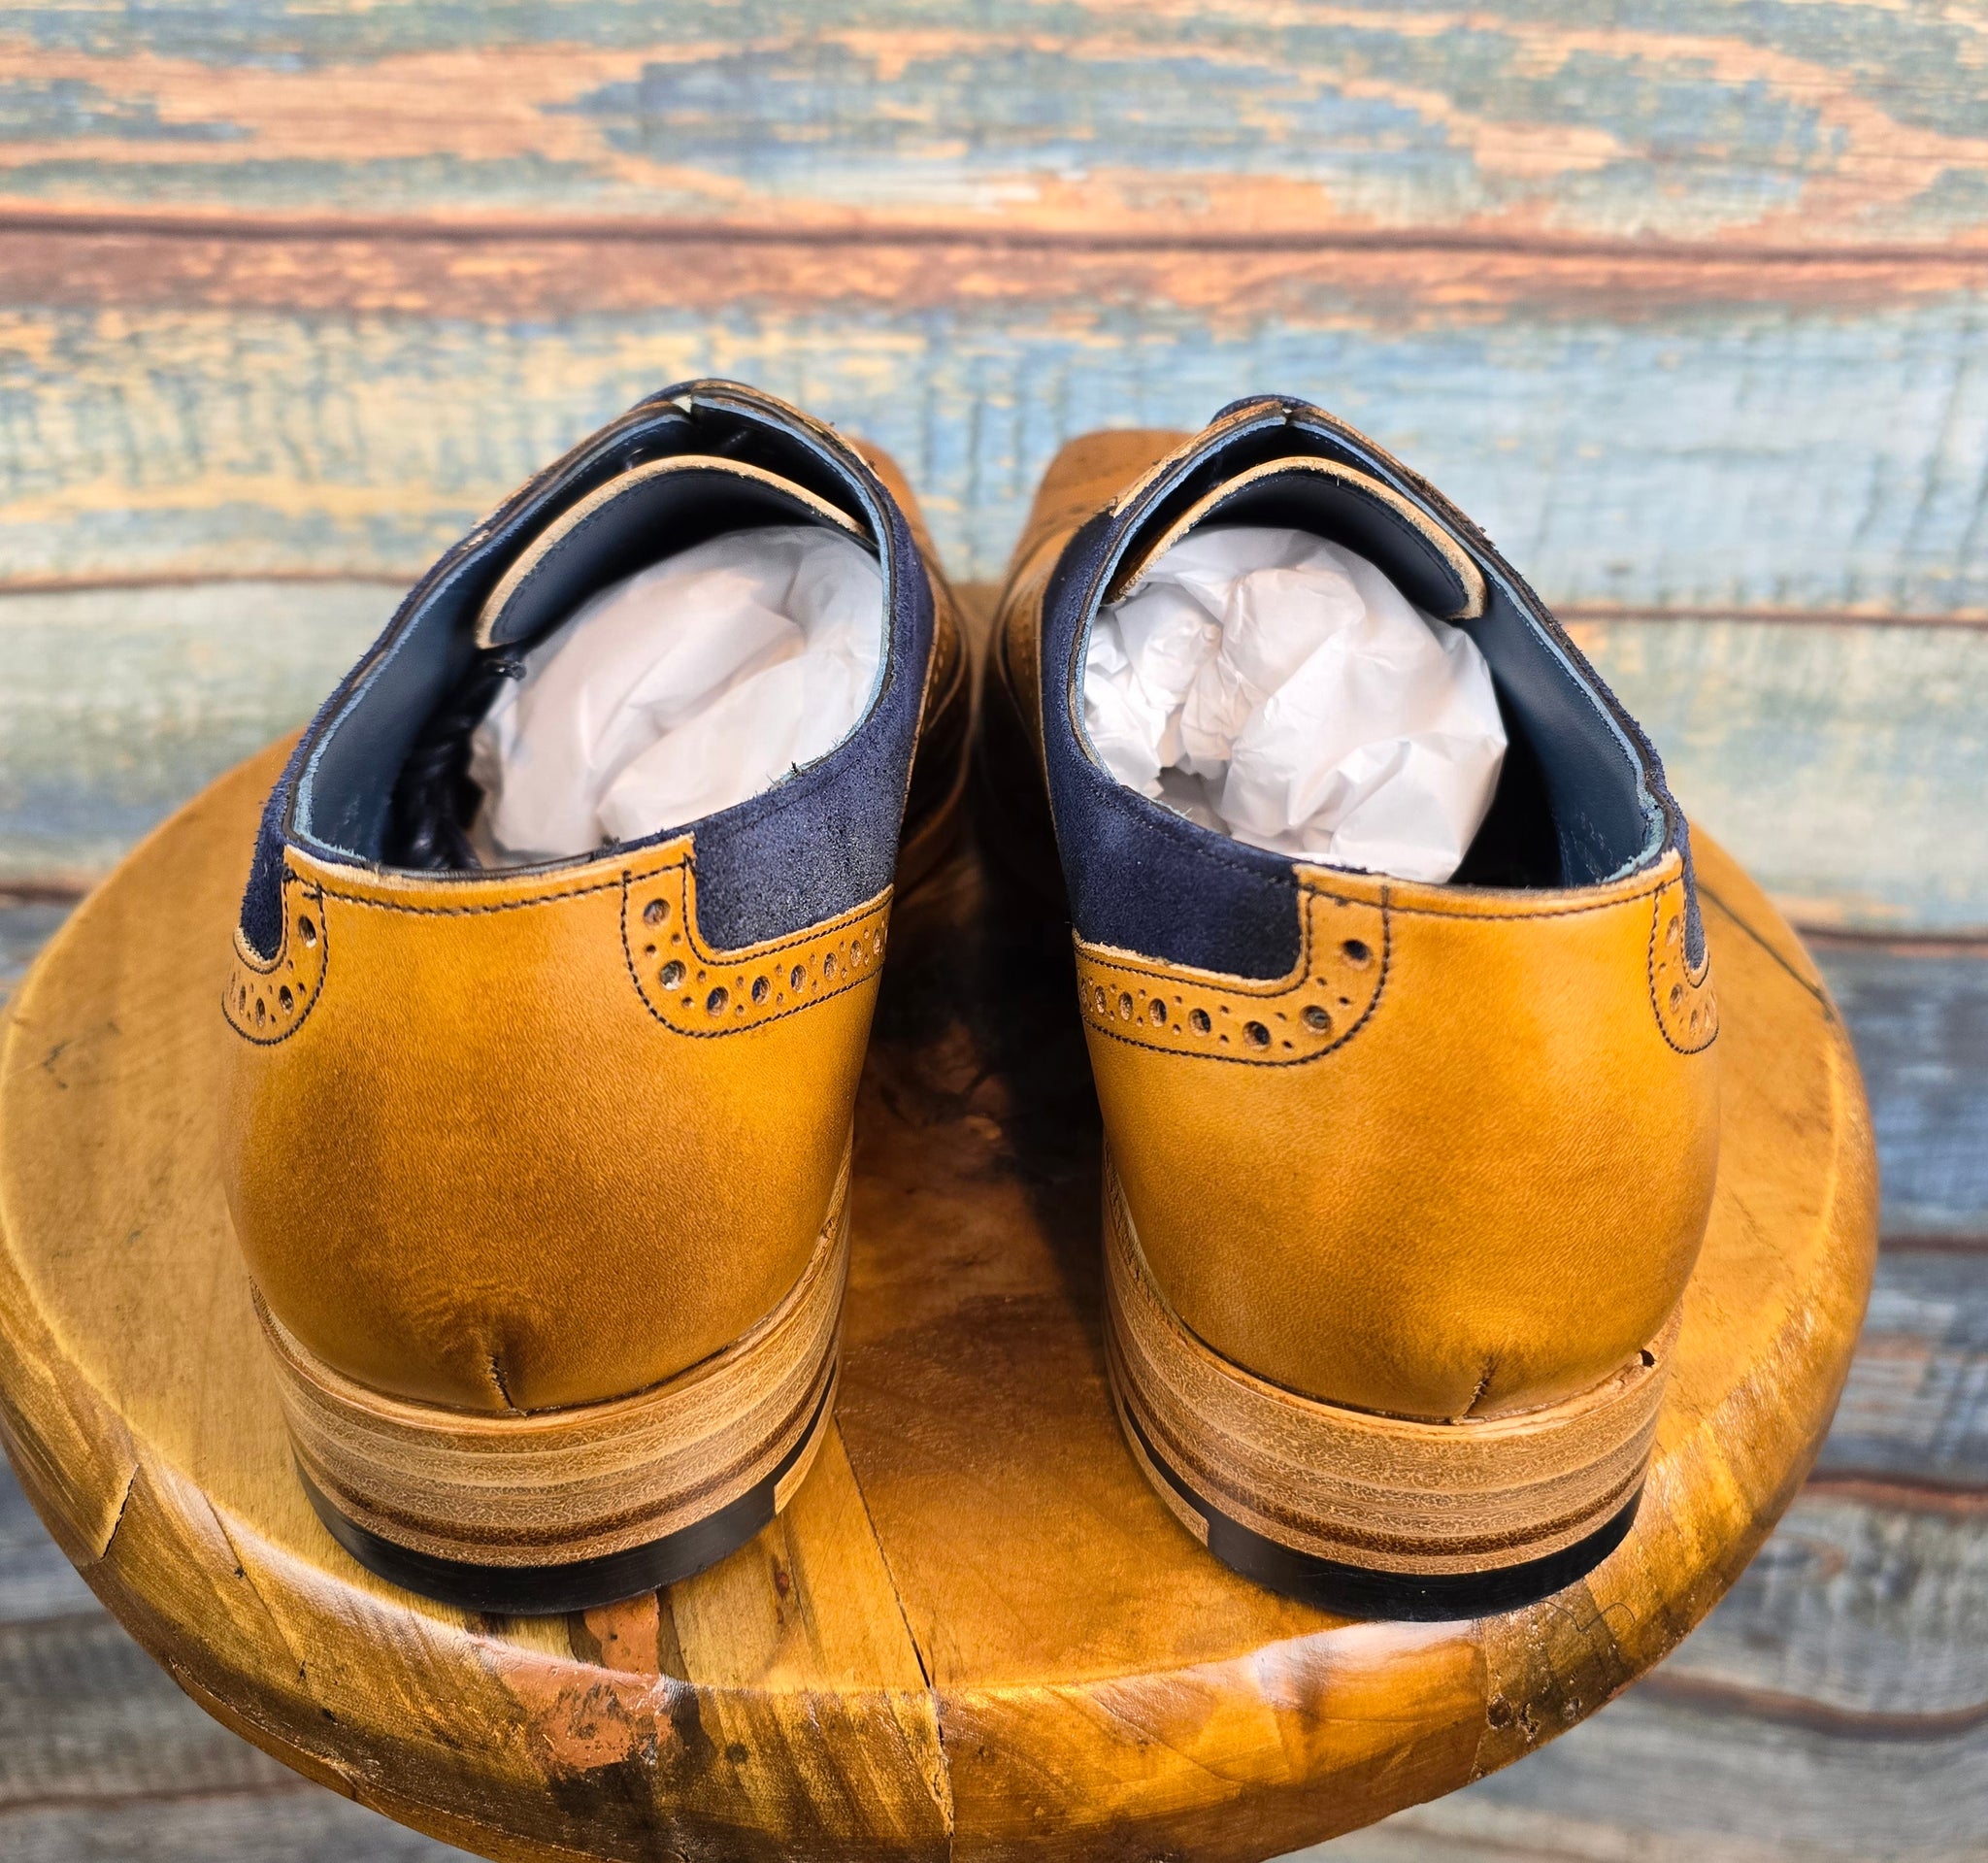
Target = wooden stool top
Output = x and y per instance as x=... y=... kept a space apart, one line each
x=975 y=1631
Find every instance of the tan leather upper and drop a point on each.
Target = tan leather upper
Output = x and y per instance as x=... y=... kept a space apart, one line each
x=1458 y=1162
x=489 y=1157
x=519 y=1141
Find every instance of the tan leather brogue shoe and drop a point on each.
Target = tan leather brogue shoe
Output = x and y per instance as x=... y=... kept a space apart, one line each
x=540 y=1161
x=1404 y=1178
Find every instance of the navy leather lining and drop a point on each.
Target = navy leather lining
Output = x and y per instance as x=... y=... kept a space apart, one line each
x=1350 y=514
x=820 y=841
x=1143 y=879
x=434 y=799
x=615 y=540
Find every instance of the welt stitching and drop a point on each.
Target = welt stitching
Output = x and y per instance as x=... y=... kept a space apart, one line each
x=1388 y=907
x=621 y=884
x=480 y=912
x=712 y=956
x=1556 y=912
x=1301 y=1061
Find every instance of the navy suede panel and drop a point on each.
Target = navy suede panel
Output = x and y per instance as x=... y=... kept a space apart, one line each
x=826 y=839
x=819 y=842
x=1143 y=879
x=262 y=901
x=1140 y=877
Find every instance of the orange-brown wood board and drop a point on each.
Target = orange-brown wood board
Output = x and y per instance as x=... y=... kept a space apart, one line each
x=976 y=1632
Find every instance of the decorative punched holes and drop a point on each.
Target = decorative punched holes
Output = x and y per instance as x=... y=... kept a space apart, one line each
x=1295 y=1018
x=699 y=991
x=1686 y=1005
x=266 y=1002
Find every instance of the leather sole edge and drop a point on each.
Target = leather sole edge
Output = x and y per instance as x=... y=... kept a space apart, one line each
x=1246 y=1465
x=548 y=1490
x=583 y=1585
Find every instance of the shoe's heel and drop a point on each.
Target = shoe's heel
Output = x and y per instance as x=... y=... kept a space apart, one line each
x=564 y=1510
x=1365 y=1514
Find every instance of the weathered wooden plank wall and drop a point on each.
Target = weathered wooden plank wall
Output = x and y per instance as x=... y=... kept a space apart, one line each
x=1842 y=761
x=1683 y=298
x=1776 y=123
x=1634 y=431
x=1681 y=302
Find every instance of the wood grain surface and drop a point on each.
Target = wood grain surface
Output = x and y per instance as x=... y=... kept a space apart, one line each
x=1777 y=125
x=1700 y=446
x=976 y=1632
x=1684 y=301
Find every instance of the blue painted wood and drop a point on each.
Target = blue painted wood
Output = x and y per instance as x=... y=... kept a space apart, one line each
x=1708 y=456
x=1856 y=120
x=1916 y=1404
x=119 y=703
x=1867 y=1605
x=1920 y=1023
x=1843 y=764
x=25 y=926
x=1661 y=1780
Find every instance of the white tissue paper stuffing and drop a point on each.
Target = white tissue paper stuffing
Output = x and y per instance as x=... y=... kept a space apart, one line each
x=1280 y=689
x=685 y=688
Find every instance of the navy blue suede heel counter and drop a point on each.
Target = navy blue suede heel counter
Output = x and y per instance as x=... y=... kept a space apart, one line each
x=1142 y=878
x=820 y=841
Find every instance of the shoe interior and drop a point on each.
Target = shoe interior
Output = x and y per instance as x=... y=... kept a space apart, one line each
x=1572 y=806
x=387 y=778
x=581 y=569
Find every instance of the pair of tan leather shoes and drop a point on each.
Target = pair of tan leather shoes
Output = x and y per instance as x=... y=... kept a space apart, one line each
x=541 y=1169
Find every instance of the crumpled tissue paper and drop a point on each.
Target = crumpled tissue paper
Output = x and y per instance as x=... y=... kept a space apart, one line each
x=1280 y=689
x=684 y=689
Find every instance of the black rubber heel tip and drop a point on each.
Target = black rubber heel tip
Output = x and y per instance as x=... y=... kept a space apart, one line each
x=538 y=1591
x=582 y=1585
x=1360 y=1591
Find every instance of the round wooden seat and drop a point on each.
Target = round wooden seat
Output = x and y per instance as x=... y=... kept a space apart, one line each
x=976 y=1631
